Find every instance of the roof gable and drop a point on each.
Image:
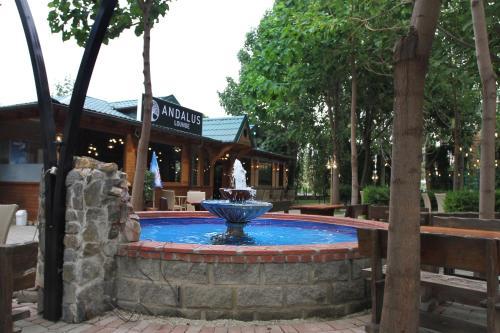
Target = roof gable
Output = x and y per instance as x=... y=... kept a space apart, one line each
x=228 y=129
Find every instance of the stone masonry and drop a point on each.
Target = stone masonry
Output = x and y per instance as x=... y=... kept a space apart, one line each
x=154 y=280
x=98 y=219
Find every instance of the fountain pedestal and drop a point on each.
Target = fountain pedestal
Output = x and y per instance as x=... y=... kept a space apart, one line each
x=237 y=210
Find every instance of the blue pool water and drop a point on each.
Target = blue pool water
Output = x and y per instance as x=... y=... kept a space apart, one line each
x=261 y=231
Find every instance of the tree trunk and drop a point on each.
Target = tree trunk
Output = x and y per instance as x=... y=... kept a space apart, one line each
x=458 y=154
x=142 y=148
x=333 y=103
x=354 y=151
x=488 y=82
x=424 y=181
x=402 y=286
x=382 y=169
x=367 y=142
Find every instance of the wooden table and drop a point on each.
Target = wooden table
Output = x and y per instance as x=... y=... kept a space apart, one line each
x=318 y=209
x=471 y=250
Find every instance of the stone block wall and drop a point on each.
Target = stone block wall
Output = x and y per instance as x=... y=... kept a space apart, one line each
x=172 y=280
x=97 y=220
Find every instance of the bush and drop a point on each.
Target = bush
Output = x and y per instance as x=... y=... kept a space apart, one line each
x=148 y=186
x=466 y=201
x=376 y=195
x=345 y=193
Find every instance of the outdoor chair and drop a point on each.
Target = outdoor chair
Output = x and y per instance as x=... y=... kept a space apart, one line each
x=17 y=272
x=6 y=215
x=440 y=201
x=169 y=195
x=194 y=197
x=427 y=201
x=378 y=213
x=266 y=195
x=355 y=211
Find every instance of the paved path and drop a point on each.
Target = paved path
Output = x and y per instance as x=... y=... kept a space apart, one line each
x=111 y=323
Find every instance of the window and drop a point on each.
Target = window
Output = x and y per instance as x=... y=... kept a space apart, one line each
x=102 y=146
x=169 y=161
x=265 y=173
x=206 y=171
x=194 y=169
x=281 y=173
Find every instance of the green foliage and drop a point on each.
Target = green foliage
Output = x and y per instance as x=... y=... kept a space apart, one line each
x=64 y=88
x=345 y=193
x=73 y=19
x=466 y=201
x=376 y=195
x=149 y=178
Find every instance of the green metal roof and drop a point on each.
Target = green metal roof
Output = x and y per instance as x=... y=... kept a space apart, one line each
x=225 y=129
x=132 y=103
x=95 y=105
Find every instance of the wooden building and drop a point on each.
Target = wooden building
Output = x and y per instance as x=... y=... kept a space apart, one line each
x=199 y=159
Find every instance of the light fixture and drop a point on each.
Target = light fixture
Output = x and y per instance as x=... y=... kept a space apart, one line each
x=59 y=137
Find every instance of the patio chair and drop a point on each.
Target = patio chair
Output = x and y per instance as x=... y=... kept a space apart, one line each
x=6 y=215
x=194 y=197
x=355 y=211
x=427 y=201
x=169 y=195
x=440 y=201
x=17 y=272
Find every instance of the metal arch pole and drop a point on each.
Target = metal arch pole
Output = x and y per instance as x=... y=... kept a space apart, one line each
x=56 y=205
x=54 y=246
x=47 y=123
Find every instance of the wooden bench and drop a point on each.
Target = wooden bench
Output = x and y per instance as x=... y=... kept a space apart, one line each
x=441 y=287
x=17 y=272
x=471 y=250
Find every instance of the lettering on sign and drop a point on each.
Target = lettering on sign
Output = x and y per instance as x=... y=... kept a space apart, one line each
x=175 y=116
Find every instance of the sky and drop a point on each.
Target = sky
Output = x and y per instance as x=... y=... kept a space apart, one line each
x=193 y=49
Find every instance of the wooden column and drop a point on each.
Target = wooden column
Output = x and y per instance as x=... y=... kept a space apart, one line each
x=492 y=312
x=377 y=282
x=185 y=164
x=6 y=289
x=129 y=158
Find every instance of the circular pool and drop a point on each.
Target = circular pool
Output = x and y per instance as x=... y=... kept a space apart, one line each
x=260 y=231
x=282 y=276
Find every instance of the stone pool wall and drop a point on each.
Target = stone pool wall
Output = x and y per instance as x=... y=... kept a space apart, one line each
x=97 y=220
x=245 y=283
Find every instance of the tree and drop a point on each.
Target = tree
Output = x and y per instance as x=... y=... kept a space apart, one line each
x=293 y=72
x=65 y=87
x=402 y=287
x=73 y=20
x=489 y=93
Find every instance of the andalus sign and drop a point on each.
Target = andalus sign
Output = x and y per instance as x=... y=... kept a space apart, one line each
x=175 y=116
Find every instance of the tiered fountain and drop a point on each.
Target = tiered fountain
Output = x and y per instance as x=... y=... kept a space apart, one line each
x=237 y=208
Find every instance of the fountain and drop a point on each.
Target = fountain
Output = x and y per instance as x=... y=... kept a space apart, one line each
x=237 y=208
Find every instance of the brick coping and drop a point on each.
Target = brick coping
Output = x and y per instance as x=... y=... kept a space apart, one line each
x=246 y=254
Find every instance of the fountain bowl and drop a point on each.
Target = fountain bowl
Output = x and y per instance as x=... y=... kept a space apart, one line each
x=235 y=195
x=237 y=212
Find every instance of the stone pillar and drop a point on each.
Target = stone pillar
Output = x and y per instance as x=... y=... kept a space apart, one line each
x=98 y=219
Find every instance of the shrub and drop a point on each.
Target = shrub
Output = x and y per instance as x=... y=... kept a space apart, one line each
x=376 y=195
x=345 y=193
x=466 y=201
x=461 y=201
x=148 y=186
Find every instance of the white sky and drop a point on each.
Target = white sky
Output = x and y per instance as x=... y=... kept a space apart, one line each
x=205 y=37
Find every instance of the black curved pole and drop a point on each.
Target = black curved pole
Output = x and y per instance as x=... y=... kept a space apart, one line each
x=54 y=232
x=55 y=190
x=48 y=130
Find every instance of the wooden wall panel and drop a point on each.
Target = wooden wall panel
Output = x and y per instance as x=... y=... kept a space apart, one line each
x=23 y=194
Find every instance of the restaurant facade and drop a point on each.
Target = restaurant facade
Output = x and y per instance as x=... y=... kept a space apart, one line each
x=194 y=152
